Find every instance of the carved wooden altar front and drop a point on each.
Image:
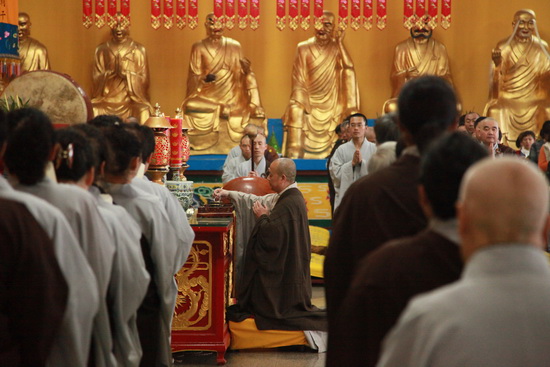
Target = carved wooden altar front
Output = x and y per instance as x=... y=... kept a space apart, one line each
x=204 y=290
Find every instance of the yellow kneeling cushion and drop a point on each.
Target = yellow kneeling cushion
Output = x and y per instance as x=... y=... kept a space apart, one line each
x=245 y=335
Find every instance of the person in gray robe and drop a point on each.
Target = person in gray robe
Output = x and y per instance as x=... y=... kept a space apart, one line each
x=350 y=161
x=72 y=343
x=129 y=278
x=160 y=244
x=497 y=313
x=175 y=211
x=30 y=145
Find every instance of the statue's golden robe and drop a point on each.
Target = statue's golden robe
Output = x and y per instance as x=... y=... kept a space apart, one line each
x=520 y=94
x=228 y=97
x=412 y=60
x=122 y=95
x=33 y=54
x=326 y=90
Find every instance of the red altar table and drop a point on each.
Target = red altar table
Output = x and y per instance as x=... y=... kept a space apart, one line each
x=204 y=289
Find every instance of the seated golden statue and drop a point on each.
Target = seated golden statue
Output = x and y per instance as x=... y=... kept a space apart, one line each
x=519 y=95
x=33 y=54
x=324 y=91
x=222 y=93
x=121 y=77
x=417 y=56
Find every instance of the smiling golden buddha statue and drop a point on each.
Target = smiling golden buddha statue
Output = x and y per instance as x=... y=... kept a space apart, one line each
x=418 y=55
x=33 y=54
x=519 y=94
x=121 y=76
x=324 y=92
x=222 y=93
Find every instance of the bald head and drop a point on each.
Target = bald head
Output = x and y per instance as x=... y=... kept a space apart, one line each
x=287 y=167
x=503 y=201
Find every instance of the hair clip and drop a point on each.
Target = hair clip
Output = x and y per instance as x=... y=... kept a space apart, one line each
x=65 y=155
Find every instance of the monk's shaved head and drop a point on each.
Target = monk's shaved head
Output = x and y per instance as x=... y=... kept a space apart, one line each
x=287 y=167
x=503 y=200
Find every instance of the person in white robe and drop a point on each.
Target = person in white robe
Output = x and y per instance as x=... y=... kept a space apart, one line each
x=350 y=161
x=259 y=168
x=231 y=163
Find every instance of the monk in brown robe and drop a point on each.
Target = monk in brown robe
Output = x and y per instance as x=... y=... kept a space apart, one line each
x=384 y=205
x=33 y=291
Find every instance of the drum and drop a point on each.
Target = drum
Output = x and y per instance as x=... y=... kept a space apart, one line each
x=55 y=94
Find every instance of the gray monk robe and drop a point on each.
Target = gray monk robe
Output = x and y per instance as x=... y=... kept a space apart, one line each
x=167 y=259
x=276 y=283
x=81 y=211
x=71 y=345
x=129 y=281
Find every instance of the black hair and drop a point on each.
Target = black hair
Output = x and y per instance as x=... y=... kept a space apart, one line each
x=461 y=119
x=102 y=121
x=338 y=129
x=97 y=141
x=125 y=146
x=442 y=167
x=545 y=131
x=523 y=135
x=358 y=114
x=427 y=107
x=30 y=142
x=75 y=156
x=146 y=137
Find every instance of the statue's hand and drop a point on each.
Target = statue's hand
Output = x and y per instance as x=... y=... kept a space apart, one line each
x=496 y=56
x=340 y=33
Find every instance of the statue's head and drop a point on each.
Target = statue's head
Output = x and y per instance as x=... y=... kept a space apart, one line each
x=24 y=26
x=120 y=31
x=524 y=20
x=326 y=32
x=422 y=32
x=212 y=30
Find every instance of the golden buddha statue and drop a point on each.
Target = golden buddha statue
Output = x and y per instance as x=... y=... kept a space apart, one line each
x=121 y=77
x=519 y=96
x=324 y=92
x=417 y=56
x=222 y=93
x=32 y=53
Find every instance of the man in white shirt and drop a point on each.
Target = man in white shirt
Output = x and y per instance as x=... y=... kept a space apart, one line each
x=256 y=166
x=350 y=161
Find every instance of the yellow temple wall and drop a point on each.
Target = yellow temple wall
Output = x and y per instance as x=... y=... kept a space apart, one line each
x=476 y=28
